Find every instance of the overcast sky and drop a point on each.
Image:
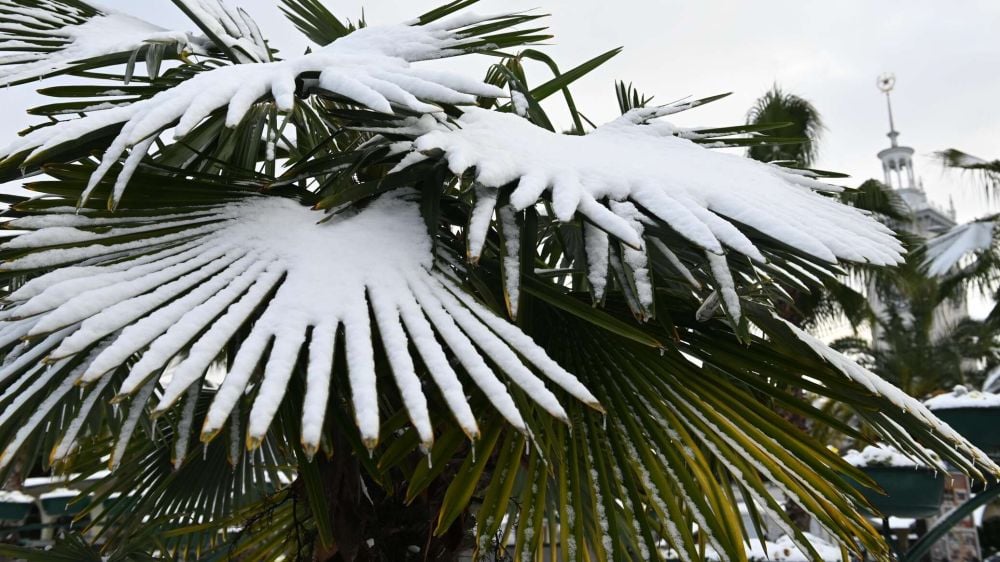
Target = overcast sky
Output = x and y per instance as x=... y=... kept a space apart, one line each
x=945 y=59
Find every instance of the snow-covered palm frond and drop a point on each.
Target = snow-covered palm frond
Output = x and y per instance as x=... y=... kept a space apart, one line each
x=231 y=29
x=181 y=285
x=944 y=252
x=49 y=37
x=988 y=170
x=712 y=199
x=893 y=394
x=371 y=67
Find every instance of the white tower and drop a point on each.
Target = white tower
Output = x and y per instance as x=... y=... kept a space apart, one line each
x=897 y=166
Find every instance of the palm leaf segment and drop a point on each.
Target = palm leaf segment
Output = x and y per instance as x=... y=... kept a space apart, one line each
x=707 y=197
x=189 y=281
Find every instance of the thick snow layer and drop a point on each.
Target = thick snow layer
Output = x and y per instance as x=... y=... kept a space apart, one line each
x=962 y=397
x=105 y=34
x=14 y=496
x=880 y=455
x=945 y=251
x=706 y=196
x=370 y=66
x=313 y=279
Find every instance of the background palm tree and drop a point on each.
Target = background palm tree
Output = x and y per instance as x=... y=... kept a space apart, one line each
x=790 y=116
x=914 y=345
x=404 y=316
x=989 y=171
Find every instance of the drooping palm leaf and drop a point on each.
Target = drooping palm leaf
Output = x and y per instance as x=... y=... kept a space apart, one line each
x=988 y=170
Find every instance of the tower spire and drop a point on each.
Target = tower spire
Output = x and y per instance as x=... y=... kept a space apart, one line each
x=886 y=83
x=897 y=161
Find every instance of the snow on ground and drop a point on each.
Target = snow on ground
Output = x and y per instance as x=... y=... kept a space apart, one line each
x=781 y=550
x=59 y=493
x=880 y=455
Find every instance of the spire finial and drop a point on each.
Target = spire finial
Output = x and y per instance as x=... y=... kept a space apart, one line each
x=885 y=83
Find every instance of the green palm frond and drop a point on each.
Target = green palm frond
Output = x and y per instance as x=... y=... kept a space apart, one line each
x=799 y=119
x=988 y=171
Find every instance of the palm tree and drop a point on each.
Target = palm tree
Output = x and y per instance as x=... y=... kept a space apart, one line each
x=404 y=316
x=914 y=344
x=945 y=256
x=792 y=117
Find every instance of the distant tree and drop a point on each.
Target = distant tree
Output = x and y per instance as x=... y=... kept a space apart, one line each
x=798 y=119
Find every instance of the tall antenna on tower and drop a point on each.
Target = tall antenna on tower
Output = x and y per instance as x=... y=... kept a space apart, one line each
x=885 y=82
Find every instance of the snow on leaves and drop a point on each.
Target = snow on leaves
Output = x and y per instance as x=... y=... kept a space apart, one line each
x=702 y=194
x=945 y=251
x=370 y=66
x=881 y=387
x=72 y=33
x=263 y=265
x=706 y=196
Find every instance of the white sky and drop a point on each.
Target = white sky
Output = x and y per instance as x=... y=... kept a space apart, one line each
x=945 y=61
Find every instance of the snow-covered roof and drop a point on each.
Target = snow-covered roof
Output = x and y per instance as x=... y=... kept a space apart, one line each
x=14 y=496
